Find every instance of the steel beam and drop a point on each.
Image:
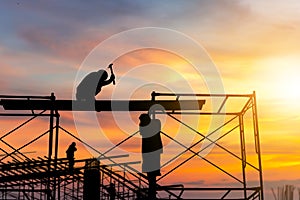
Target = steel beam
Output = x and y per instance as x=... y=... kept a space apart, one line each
x=100 y=105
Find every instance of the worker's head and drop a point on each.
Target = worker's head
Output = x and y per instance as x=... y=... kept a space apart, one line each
x=73 y=144
x=102 y=74
x=144 y=119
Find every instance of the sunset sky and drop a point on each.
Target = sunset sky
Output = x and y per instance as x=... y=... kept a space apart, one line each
x=48 y=46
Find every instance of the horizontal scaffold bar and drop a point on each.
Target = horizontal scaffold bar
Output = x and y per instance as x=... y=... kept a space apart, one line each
x=100 y=105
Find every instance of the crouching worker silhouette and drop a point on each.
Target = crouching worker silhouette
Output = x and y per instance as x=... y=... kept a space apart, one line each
x=92 y=84
x=151 y=150
x=70 y=155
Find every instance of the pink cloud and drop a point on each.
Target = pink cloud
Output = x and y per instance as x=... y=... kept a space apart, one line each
x=70 y=47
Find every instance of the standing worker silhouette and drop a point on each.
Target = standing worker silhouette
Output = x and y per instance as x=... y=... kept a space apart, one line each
x=70 y=155
x=112 y=191
x=152 y=148
x=92 y=84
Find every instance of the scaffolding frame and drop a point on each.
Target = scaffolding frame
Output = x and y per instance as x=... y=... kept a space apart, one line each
x=54 y=185
x=249 y=105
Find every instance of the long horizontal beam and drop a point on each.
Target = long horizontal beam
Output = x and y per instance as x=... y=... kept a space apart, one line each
x=100 y=105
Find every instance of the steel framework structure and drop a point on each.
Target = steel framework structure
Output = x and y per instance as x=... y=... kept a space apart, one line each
x=48 y=177
x=237 y=121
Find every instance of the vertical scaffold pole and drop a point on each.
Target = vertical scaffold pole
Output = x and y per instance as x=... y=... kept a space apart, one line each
x=56 y=136
x=51 y=129
x=243 y=153
x=56 y=184
x=257 y=143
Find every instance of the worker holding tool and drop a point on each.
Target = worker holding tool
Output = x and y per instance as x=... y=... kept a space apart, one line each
x=92 y=84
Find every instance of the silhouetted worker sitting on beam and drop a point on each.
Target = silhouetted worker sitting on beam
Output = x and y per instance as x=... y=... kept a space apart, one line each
x=70 y=155
x=151 y=150
x=92 y=84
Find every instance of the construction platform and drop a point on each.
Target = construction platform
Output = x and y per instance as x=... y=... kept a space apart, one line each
x=49 y=177
x=39 y=176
